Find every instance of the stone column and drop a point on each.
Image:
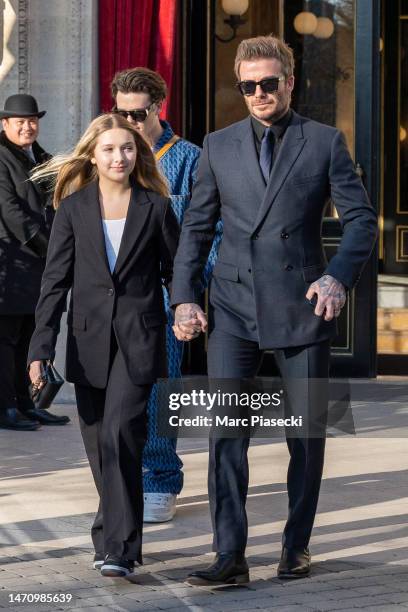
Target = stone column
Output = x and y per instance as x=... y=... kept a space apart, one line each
x=61 y=37
x=50 y=51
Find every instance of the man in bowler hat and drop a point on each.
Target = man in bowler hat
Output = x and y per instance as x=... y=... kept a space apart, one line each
x=25 y=221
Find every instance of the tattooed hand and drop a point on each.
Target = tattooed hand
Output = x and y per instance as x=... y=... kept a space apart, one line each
x=189 y=322
x=331 y=296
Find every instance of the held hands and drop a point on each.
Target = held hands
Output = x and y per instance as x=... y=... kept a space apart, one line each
x=189 y=322
x=331 y=296
x=36 y=375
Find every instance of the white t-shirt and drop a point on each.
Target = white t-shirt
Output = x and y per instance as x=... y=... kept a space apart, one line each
x=113 y=231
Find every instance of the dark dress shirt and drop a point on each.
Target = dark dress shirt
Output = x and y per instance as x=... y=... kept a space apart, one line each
x=278 y=129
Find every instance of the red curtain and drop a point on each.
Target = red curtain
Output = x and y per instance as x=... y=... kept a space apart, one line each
x=141 y=33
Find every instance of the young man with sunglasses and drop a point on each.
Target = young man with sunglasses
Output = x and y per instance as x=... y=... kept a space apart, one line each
x=138 y=95
x=269 y=177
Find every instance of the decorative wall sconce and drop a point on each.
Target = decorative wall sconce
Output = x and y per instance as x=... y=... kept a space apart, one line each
x=324 y=28
x=234 y=9
x=306 y=23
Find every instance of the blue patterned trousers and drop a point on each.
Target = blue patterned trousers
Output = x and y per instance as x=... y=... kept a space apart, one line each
x=162 y=471
x=161 y=464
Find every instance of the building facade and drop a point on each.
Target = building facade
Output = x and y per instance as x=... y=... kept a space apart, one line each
x=351 y=72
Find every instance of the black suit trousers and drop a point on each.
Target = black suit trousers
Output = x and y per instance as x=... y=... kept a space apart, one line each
x=113 y=424
x=233 y=357
x=15 y=335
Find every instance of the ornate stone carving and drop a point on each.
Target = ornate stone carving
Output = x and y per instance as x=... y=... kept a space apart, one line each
x=22 y=20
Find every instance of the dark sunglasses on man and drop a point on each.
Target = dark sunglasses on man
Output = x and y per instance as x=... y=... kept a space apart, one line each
x=268 y=85
x=138 y=114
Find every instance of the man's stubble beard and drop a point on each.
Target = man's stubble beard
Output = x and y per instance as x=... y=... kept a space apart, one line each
x=279 y=111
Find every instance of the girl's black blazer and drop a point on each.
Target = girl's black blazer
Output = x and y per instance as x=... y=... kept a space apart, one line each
x=128 y=302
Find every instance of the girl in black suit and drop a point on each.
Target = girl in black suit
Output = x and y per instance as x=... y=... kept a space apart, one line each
x=112 y=244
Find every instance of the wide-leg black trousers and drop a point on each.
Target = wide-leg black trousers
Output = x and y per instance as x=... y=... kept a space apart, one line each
x=113 y=424
x=228 y=473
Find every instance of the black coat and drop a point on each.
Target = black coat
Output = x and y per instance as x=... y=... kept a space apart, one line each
x=271 y=249
x=24 y=229
x=130 y=300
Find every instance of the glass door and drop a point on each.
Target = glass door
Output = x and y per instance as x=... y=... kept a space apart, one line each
x=336 y=45
x=393 y=244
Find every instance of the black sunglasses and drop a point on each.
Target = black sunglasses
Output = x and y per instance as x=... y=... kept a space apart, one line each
x=139 y=114
x=268 y=85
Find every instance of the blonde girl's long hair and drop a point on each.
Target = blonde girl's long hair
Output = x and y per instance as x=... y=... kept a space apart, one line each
x=73 y=171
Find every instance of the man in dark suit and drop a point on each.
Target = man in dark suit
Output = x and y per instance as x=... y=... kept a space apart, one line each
x=269 y=178
x=25 y=222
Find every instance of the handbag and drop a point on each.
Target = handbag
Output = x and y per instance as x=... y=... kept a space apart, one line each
x=44 y=397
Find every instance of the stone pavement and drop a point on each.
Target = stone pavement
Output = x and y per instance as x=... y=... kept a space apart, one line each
x=359 y=545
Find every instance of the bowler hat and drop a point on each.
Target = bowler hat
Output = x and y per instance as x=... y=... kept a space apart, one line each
x=21 y=105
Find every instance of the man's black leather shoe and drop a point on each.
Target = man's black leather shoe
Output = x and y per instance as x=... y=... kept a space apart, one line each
x=45 y=417
x=10 y=419
x=228 y=568
x=294 y=563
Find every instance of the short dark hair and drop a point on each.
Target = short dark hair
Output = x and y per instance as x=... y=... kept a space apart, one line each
x=135 y=80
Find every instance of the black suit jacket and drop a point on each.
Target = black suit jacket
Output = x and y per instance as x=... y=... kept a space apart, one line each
x=24 y=229
x=271 y=248
x=130 y=300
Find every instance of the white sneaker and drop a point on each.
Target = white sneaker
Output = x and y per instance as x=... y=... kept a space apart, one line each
x=159 y=507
